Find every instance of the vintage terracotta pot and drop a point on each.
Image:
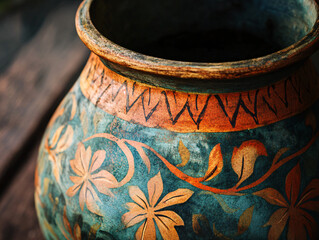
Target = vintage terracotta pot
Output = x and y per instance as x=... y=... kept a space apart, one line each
x=218 y=142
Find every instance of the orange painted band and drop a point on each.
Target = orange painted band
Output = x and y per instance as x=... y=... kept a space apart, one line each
x=190 y=112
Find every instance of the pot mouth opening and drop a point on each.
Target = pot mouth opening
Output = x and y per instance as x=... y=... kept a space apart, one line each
x=200 y=39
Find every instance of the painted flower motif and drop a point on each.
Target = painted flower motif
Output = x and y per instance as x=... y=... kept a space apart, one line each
x=293 y=211
x=148 y=211
x=74 y=233
x=57 y=145
x=87 y=177
x=66 y=229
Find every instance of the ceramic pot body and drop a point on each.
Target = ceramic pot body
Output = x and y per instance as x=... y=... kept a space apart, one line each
x=151 y=153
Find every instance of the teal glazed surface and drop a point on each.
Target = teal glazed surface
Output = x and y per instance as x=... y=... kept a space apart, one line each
x=205 y=215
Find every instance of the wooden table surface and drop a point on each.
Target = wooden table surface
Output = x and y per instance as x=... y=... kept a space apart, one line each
x=40 y=58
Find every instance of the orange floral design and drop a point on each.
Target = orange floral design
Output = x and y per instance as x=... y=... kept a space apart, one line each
x=146 y=210
x=66 y=229
x=58 y=144
x=87 y=177
x=293 y=211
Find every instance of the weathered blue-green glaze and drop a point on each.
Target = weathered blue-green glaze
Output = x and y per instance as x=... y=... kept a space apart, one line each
x=205 y=214
x=219 y=214
x=127 y=157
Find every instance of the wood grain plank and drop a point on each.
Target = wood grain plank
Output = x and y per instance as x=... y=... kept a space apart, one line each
x=18 y=217
x=20 y=23
x=34 y=81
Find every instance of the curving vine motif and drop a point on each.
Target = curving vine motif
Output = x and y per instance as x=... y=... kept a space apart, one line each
x=243 y=161
x=148 y=217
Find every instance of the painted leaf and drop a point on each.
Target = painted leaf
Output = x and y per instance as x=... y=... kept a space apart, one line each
x=66 y=140
x=61 y=227
x=311 y=121
x=166 y=222
x=96 y=120
x=91 y=200
x=134 y=216
x=66 y=222
x=59 y=112
x=144 y=157
x=77 y=232
x=93 y=230
x=215 y=164
x=84 y=156
x=184 y=153
x=138 y=196
x=46 y=183
x=104 y=180
x=97 y=160
x=279 y=154
x=177 y=197
x=272 y=196
x=245 y=220
x=48 y=227
x=219 y=235
x=201 y=224
x=296 y=230
x=146 y=230
x=277 y=221
x=133 y=207
x=56 y=136
x=82 y=195
x=221 y=202
x=76 y=179
x=244 y=159
x=311 y=205
x=293 y=184
x=155 y=189
x=56 y=168
x=84 y=122
x=52 y=156
x=143 y=210
x=311 y=191
x=310 y=224
x=74 y=107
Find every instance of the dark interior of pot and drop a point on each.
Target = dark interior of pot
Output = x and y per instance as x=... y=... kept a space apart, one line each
x=204 y=30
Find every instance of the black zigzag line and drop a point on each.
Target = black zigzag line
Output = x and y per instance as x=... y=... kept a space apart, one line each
x=124 y=84
x=148 y=116
x=242 y=104
x=202 y=113
x=102 y=93
x=272 y=109
x=253 y=114
x=128 y=105
x=285 y=100
x=297 y=90
x=174 y=120
x=234 y=117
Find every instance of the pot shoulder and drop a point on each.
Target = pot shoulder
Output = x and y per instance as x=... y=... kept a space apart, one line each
x=100 y=175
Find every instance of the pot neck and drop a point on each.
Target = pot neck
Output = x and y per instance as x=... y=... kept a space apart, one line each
x=177 y=111
x=211 y=86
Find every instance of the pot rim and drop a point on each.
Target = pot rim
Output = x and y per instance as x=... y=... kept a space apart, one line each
x=112 y=52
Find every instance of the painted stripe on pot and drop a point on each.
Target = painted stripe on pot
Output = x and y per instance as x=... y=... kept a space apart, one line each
x=176 y=111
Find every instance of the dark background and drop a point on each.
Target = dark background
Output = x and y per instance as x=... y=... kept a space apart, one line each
x=40 y=58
